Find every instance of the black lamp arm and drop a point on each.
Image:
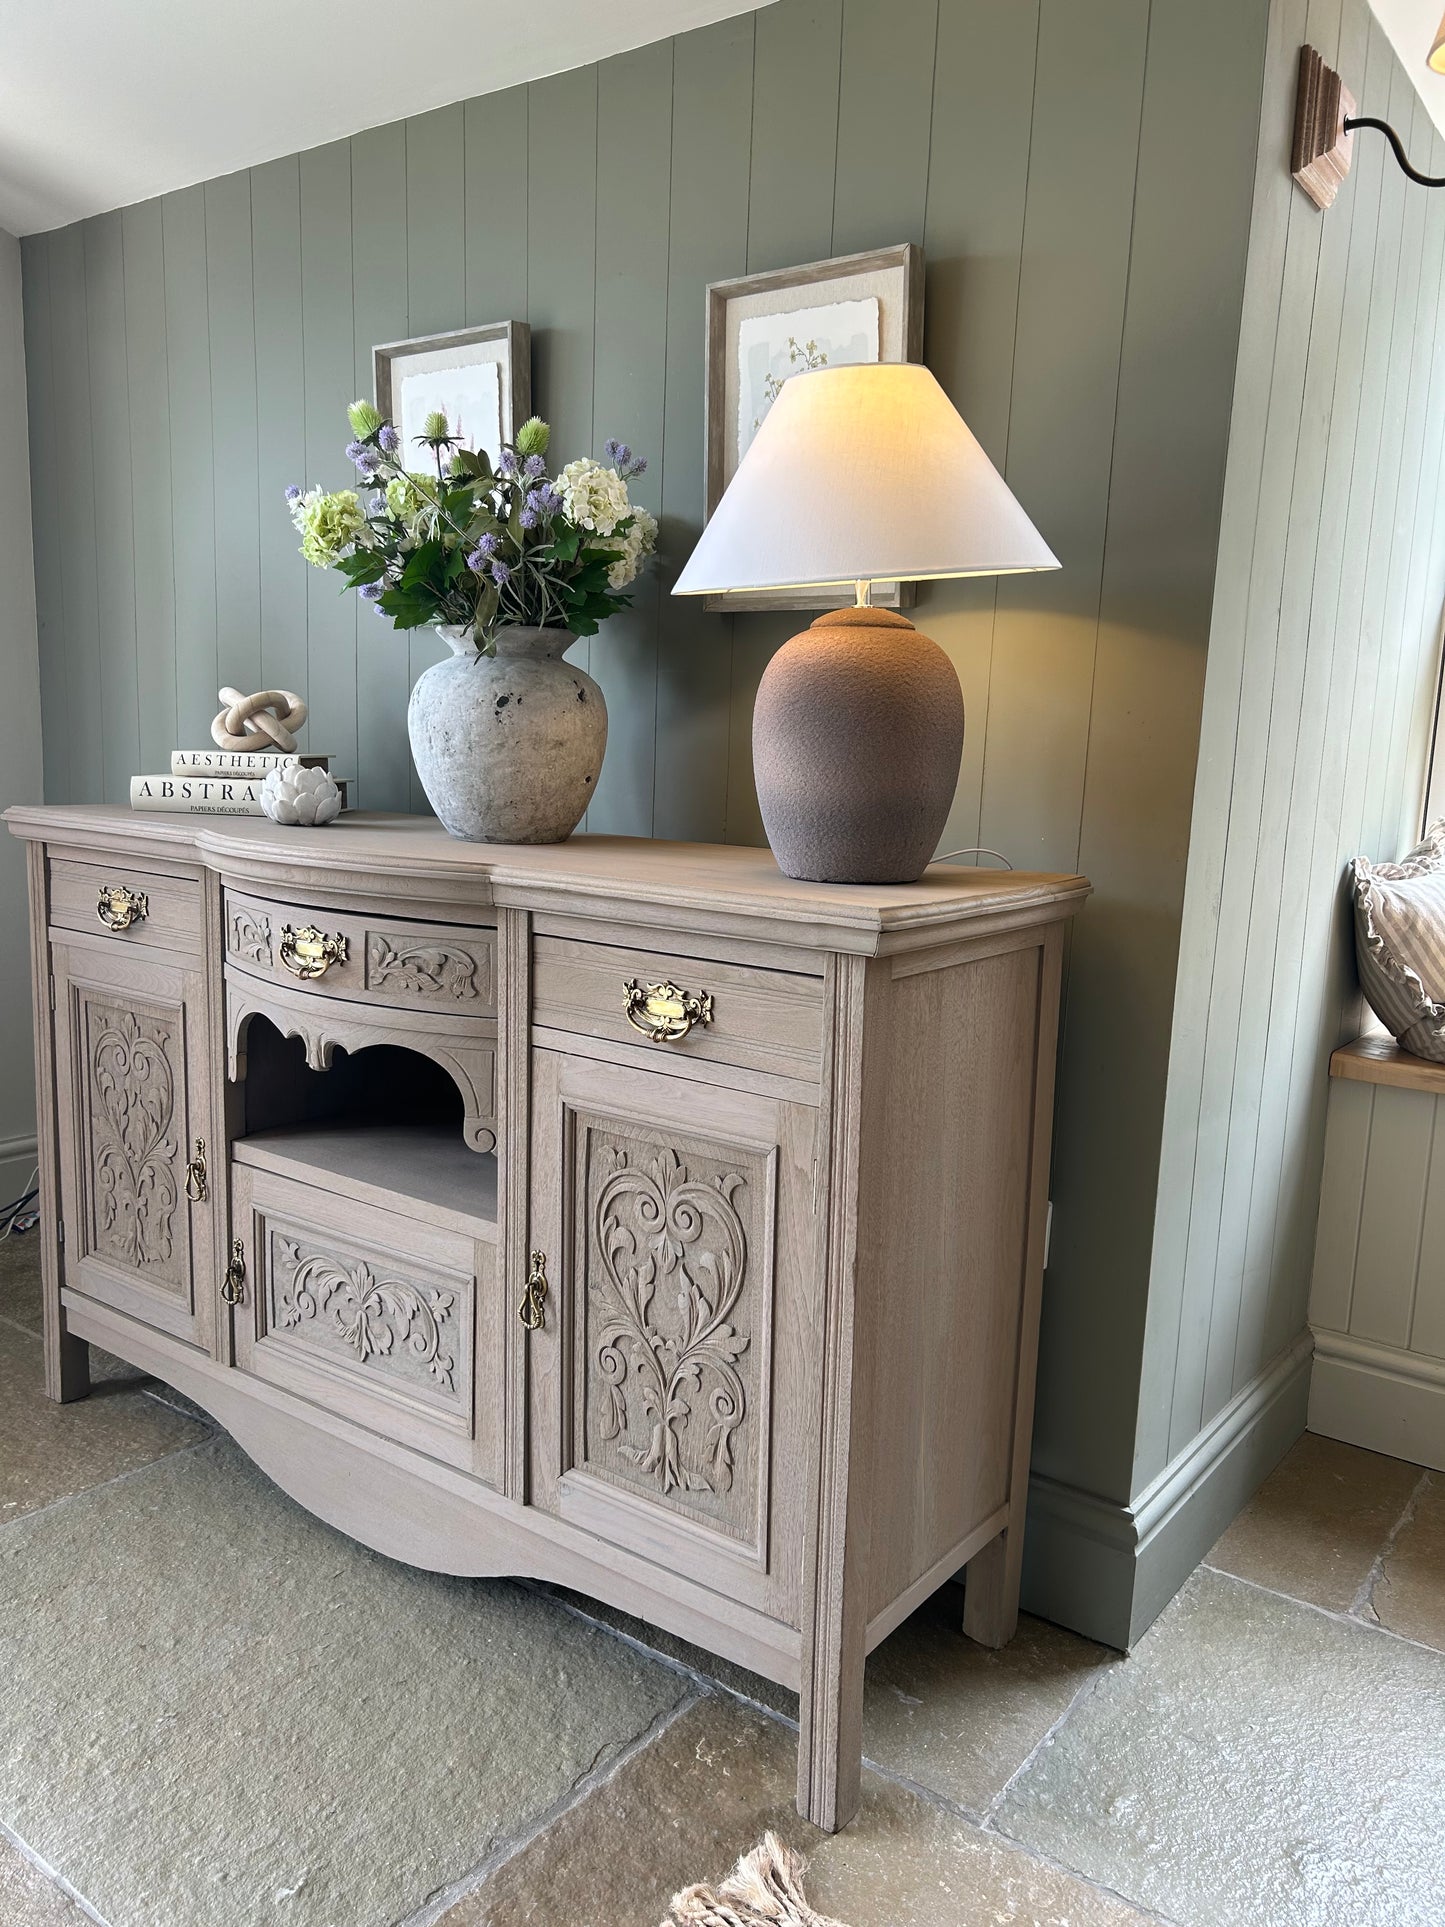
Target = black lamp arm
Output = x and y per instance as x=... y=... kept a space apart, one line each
x=1384 y=127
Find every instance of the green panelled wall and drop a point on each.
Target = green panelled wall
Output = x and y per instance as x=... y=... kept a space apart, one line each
x=1323 y=660
x=1079 y=173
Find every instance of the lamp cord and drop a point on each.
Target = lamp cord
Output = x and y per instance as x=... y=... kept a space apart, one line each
x=975 y=849
x=1364 y=120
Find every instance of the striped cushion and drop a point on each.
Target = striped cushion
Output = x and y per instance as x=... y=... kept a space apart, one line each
x=1400 y=943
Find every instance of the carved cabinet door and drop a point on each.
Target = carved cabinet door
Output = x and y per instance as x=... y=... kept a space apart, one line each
x=132 y=1084
x=673 y=1379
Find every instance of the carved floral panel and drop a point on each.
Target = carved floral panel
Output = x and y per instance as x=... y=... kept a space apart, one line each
x=400 y=1330
x=133 y=1124
x=675 y=1306
x=444 y=973
x=250 y=935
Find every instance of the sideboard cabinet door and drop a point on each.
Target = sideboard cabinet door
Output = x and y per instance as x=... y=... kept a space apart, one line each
x=131 y=1064
x=674 y=1376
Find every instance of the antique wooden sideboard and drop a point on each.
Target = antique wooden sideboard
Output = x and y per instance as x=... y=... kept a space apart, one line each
x=617 y=1213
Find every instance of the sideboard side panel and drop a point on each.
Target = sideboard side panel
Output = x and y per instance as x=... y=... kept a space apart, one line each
x=945 y=1205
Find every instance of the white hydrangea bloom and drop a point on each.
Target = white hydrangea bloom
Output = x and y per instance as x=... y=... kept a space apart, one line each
x=638 y=543
x=593 y=497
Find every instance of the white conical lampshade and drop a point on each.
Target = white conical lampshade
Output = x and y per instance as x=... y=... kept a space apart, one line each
x=862 y=473
x=1436 y=58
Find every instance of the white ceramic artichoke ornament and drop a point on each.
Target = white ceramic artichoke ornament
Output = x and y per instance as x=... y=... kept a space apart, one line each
x=307 y=796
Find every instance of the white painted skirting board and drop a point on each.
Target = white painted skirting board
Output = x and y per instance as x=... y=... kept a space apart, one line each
x=1108 y=1570
x=17 y=1161
x=1379 y=1397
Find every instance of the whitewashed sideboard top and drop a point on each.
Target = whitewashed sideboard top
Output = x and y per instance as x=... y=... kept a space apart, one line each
x=587 y=875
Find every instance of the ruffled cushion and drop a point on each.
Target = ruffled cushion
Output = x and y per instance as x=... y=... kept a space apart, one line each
x=1400 y=943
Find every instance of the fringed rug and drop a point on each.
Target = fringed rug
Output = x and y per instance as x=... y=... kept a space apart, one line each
x=765 y=1889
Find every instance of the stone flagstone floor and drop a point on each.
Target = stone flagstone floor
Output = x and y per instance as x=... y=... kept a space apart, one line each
x=217 y=1713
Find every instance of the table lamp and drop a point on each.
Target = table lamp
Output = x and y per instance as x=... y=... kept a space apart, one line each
x=859 y=475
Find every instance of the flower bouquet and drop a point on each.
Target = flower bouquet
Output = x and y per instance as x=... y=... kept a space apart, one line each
x=510 y=564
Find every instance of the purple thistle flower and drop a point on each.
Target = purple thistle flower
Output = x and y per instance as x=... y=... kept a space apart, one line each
x=533 y=467
x=623 y=460
x=501 y=574
x=507 y=462
x=614 y=451
x=544 y=500
x=481 y=555
x=388 y=438
x=293 y=494
x=528 y=518
x=372 y=591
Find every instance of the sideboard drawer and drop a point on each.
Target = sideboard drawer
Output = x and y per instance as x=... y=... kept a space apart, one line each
x=101 y=897
x=435 y=967
x=709 y=1012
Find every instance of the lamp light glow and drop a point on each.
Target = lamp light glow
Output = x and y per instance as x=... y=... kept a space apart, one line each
x=1436 y=60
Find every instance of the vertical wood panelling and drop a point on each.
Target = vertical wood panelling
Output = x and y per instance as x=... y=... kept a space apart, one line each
x=634 y=162
x=114 y=536
x=1077 y=224
x=379 y=296
x=329 y=364
x=151 y=484
x=881 y=190
x=280 y=423
x=1158 y=570
x=193 y=497
x=35 y=253
x=1427 y=1322
x=234 y=451
x=1318 y=673
x=494 y=141
x=1396 y=1167
x=983 y=107
x=707 y=241
x=1342 y=1191
x=75 y=505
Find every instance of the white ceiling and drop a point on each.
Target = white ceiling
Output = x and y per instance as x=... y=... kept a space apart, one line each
x=105 y=102
x=1412 y=25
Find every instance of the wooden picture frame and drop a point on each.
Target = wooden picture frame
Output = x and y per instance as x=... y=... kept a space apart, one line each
x=891 y=279
x=439 y=360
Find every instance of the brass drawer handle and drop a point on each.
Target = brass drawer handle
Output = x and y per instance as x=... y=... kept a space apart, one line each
x=118 y=908
x=663 y=1013
x=533 y=1309
x=309 y=952
x=233 y=1285
x=196 y=1189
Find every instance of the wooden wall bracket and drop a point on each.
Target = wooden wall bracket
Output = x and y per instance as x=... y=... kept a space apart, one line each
x=1320 y=157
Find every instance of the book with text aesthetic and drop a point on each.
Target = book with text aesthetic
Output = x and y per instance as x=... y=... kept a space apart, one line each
x=241 y=762
x=203 y=795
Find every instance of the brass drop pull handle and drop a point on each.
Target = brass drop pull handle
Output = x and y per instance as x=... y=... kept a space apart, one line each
x=309 y=952
x=233 y=1285
x=196 y=1189
x=533 y=1310
x=663 y=1013
x=118 y=908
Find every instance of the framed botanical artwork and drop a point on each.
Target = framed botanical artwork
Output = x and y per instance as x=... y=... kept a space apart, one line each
x=480 y=378
x=763 y=328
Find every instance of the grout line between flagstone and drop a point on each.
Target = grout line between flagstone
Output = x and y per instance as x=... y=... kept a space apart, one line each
x=1325 y=1612
x=581 y=1790
x=1362 y=1605
x=132 y=1472
x=56 y=1879
x=940 y=1802
x=1084 y=1691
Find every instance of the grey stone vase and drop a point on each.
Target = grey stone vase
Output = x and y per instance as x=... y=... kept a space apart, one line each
x=508 y=747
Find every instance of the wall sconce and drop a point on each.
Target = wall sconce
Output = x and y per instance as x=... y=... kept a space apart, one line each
x=1324 y=123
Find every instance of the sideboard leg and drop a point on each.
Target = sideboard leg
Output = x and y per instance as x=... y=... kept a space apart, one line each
x=67 y=1362
x=991 y=1590
x=830 y=1745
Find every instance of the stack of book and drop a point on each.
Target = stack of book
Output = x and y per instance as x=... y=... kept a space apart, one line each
x=219 y=782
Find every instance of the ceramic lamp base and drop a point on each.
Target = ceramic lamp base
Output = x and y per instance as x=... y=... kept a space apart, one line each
x=857 y=739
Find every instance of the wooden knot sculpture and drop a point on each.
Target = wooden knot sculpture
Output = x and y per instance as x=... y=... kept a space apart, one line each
x=266 y=721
